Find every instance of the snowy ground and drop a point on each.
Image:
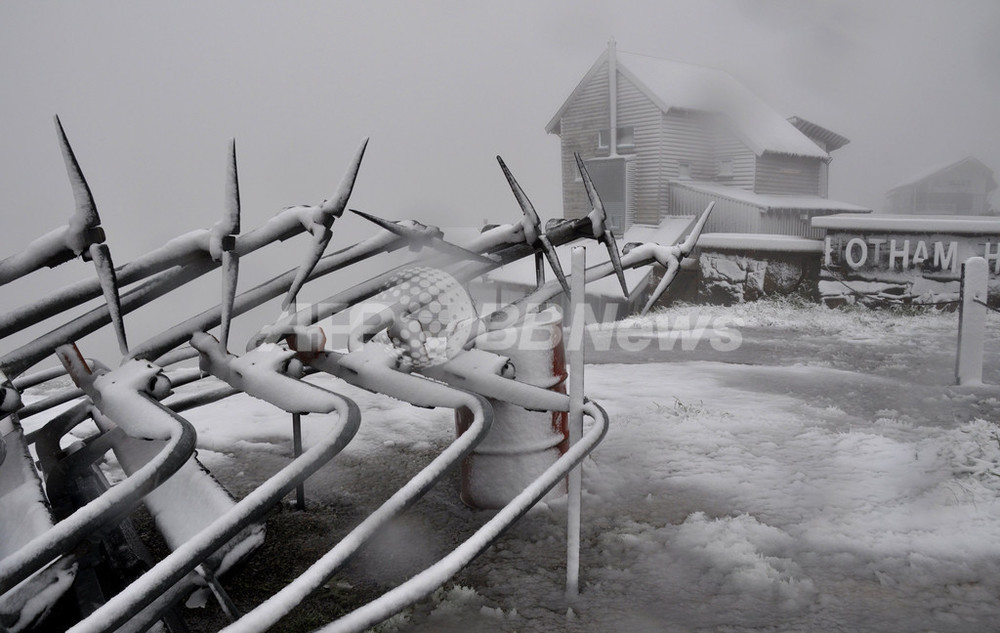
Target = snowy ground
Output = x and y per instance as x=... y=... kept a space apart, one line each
x=824 y=475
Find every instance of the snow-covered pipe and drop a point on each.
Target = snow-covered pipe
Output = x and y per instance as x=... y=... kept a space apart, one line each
x=195 y=248
x=24 y=357
x=166 y=341
x=165 y=574
x=487 y=374
x=371 y=368
x=574 y=483
x=429 y=580
x=119 y=393
x=262 y=373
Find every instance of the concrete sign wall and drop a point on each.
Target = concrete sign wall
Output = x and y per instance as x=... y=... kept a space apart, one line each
x=906 y=259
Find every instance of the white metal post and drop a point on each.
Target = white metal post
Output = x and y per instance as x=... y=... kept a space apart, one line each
x=972 y=321
x=576 y=359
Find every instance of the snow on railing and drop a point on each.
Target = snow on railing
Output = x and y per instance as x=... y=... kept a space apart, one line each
x=131 y=401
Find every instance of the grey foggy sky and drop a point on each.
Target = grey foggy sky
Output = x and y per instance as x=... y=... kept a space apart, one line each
x=150 y=93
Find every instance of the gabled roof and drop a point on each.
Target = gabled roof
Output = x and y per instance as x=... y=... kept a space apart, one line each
x=968 y=160
x=832 y=140
x=675 y=85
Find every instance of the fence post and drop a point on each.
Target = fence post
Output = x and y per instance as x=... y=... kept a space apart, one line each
x=972 y=322
x=576 y=360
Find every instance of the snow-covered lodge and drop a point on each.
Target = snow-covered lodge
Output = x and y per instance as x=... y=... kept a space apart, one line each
x=663 y=138
x=959 y=188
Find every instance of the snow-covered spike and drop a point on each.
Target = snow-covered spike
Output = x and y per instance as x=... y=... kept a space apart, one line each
x=531 y=222
x=598 y=222
x=230 y=225
x=230 y=278
x=687 y=246
x=334 y=207
x=550 y=253
x=426 y=235
x=321 y=220
x=532 y=226
x=86 y=216
x=100 y=254
x=668 y=277
x=231 y=218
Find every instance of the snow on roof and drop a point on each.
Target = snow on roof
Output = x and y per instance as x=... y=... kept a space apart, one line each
x=771 y=202
x=669 y=231
x=760 y=242
x=941 y=168
x=967 y=225
x=833 y=140
x=672 y=84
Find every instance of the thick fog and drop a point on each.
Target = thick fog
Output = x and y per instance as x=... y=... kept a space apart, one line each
x=150 y=93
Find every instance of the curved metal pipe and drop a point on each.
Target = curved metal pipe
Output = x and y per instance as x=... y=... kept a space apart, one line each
x=367 y=371
x=113 y=504
x=427 y=581
x=250 y=509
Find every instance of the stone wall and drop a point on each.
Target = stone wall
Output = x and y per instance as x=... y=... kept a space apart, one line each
x=728 y=277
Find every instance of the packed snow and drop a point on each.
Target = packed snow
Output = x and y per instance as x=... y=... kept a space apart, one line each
x=819 y=472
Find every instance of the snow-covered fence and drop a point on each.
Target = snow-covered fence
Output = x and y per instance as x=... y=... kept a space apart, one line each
x=392 y=355
x=972 y=321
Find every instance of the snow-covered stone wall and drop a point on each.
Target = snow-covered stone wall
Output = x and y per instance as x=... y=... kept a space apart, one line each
x=738 y=267
x=913 y=260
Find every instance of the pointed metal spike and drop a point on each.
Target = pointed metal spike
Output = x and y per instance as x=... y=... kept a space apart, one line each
x=534 y=222
x=420 y=238
x=231 y=219
x=392 y=227
x=86 y=209
x=230 y=226
x=692 y=239
x=539 y=269
x=333 y=208
x=554 y=264
x=661 y=287
x=230 y=278
x=595 y=199
x=318 y=247
x=324 y=216
x=609 y=240
x=101 y=255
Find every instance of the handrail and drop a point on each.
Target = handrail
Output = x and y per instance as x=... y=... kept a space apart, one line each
x=110 y=506
x=365 y=370
x=165 y=574
x=427 y=581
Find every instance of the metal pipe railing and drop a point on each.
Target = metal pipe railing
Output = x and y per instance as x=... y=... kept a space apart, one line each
x=112 y=505
x=165 y=574
x=367 y=369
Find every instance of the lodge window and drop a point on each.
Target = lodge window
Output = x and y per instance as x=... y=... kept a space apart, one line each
x=726 y=168
x=625 y=138
x=603 y=139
